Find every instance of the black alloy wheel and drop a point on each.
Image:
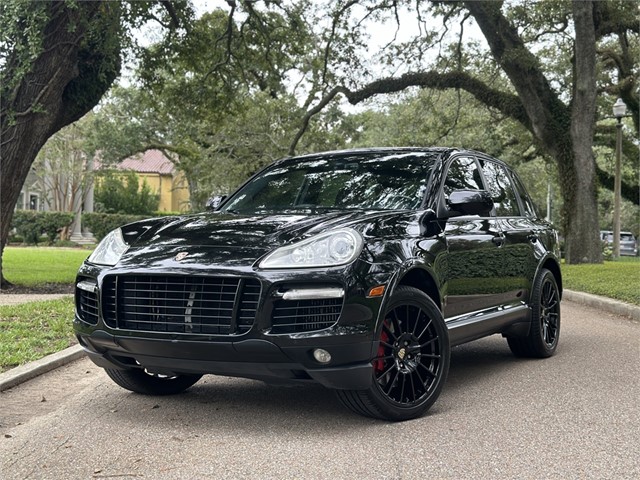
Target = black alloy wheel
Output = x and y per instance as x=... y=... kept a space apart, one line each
x=411 y=362
x=544 y=333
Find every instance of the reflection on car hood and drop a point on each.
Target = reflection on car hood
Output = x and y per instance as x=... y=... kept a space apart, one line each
x=229 y=239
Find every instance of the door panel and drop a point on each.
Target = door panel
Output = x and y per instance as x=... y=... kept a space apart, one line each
x=475 y=265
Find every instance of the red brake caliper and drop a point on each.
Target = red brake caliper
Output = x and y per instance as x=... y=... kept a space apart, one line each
x=378 y=365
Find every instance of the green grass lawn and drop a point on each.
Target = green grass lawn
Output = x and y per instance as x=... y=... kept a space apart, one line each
x=31 y=331
x=618 y=279
x=30 y=266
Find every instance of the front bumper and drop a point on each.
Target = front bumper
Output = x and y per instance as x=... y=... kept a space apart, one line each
x=256 y=353
x=350 y=367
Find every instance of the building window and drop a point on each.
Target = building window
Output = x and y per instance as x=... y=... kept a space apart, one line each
x=33 y=202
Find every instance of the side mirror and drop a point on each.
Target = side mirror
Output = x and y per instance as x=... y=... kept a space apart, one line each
x=214 y=203
x=470 y=202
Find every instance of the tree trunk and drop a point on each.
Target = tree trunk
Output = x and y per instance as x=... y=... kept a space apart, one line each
x=583 y=244
x=566 y=135
x=79 y=61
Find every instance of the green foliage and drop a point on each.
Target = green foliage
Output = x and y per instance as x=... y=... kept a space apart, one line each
x=21 y=40
x=31 y=266
x=228 y=113
x=31 y=331
x=102 y=223
x=32 y=225
x=120 y=193
x=618 y=279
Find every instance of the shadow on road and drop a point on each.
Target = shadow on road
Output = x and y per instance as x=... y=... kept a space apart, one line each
x=240 y=405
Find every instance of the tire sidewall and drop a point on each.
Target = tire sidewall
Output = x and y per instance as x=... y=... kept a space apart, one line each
x=536 y=321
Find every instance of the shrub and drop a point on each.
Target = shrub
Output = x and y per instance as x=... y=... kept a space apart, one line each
x=121 y=193
x=31 y=225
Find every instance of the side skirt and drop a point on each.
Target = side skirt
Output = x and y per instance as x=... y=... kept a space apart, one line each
x=510 y=320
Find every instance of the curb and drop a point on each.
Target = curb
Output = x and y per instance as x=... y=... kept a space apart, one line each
x=21 y=374
x=25 y=372
x=603 y=303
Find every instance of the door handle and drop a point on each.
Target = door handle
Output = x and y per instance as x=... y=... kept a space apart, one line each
x=499 y=241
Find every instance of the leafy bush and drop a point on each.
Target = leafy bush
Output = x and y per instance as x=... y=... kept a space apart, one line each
x=121 y=193
x=31 y=225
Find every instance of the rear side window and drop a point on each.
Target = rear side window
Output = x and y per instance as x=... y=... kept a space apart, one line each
x=527 y=204
x=500 y=188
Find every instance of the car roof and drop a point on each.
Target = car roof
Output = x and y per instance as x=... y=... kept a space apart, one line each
x=444 y=153
x=370 y=151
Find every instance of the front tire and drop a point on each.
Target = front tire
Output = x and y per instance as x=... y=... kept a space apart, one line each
x=544 y=333
x=411 y=363
x=139 y=381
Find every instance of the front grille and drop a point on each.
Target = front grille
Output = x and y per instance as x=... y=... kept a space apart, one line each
x=291 y=316
x=87 y=306
x=180 y=304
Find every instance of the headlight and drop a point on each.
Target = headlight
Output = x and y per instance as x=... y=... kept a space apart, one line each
x=110 y=249
x=329 y=249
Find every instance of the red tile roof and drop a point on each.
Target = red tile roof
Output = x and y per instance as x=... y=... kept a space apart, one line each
x=151 y=161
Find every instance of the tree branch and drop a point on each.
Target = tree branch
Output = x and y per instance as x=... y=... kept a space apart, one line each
x=506 y=103
x=315 y=110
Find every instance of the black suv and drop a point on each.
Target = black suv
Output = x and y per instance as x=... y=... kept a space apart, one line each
x=355 y=269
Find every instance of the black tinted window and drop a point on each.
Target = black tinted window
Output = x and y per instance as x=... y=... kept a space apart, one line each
x=396 y=181
x=463 y=174
x=529 y=209
x=500 y=188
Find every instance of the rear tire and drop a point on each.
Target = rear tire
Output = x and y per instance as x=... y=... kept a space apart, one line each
x=411 y=363
x=544 y=332
x=139 y=381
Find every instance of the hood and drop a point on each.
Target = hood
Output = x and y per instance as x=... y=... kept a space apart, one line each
x=236 y=240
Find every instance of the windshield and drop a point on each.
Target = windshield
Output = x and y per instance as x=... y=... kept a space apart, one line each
x=382 y=182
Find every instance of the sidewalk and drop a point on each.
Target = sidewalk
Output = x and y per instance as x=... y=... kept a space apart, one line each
x=20 y=374
x=20 y=298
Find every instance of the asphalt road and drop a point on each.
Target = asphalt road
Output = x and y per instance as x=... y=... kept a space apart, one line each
x=574 y=416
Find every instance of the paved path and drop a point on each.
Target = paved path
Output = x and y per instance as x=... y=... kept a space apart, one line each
x=574 y=416
x=20 y=298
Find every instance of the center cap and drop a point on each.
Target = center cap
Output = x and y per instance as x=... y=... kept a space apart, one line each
x=401 y=353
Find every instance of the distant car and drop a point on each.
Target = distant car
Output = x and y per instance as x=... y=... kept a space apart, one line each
x=356 y=269
x=628 y=242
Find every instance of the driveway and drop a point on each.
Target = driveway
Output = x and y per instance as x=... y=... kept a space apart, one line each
x=574 y=416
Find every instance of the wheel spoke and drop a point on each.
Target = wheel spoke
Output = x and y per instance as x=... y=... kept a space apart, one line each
x=404 y=381
x=552 y=305
x=428 y=342
x=429 y=355
x=424 y=329
x=388 y=329
x=416 y=323
x=547 y=293
x=433 y=375
x=406 y=317
x=422 y=381
x=390 y=385
x=391 y=367
x=413 y=387
x=386 y=357
x=396 y=323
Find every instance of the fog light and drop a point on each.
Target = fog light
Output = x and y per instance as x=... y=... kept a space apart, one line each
x=321 y=355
